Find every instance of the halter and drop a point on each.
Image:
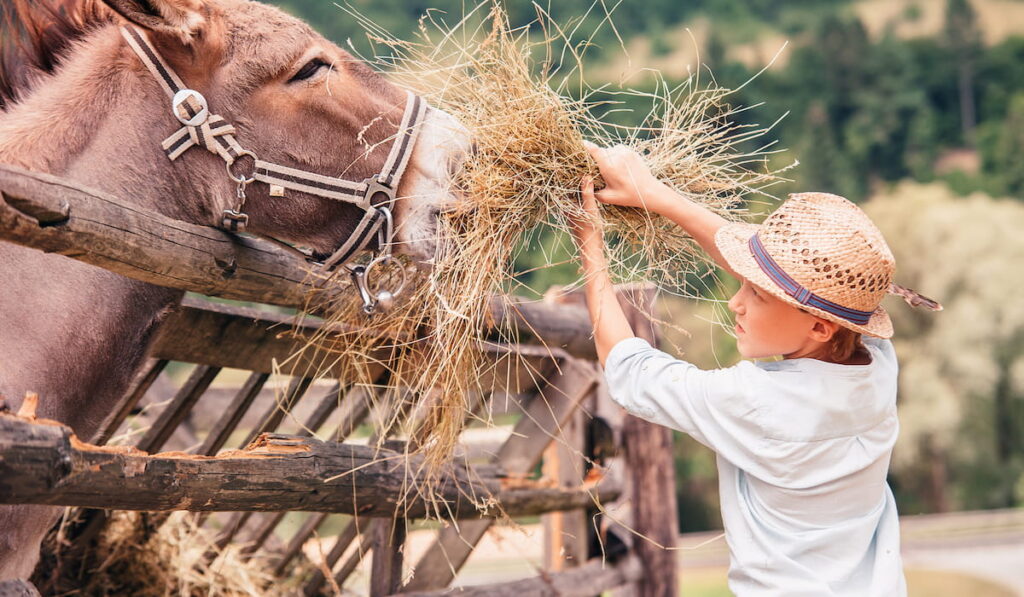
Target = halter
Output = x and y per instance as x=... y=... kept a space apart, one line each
x=374 y=195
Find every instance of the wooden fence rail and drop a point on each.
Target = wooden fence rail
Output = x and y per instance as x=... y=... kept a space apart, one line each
x=47 y=213
x=43 y=463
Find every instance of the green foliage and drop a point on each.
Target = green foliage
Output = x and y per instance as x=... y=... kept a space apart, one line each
x=1008 y=160
x=961 y=370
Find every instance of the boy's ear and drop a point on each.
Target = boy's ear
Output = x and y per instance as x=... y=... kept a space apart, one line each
x=823 y=330
x=183 y=19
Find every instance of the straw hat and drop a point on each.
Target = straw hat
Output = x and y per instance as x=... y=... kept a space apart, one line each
x=817 y=252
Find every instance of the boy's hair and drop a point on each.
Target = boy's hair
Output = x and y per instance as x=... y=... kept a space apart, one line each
x=844 y=343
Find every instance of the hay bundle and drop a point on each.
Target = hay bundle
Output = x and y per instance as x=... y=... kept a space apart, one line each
x=134 y=557
x=525 y=172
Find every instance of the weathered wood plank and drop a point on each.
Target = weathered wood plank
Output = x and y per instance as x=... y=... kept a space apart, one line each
x=42 y=463
x=53 y=215
x=593 y=578
x=231 y=336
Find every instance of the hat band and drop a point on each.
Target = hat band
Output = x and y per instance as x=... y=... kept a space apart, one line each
x=798 y=292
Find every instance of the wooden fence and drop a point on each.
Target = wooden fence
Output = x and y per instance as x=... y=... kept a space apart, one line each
x=261 y=464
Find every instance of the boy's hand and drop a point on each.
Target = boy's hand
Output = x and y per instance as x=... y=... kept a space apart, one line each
x=587 y=230
x=610 y=323
x=628 y=180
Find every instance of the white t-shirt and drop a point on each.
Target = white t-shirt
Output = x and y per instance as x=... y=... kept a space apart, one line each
x=803 y=449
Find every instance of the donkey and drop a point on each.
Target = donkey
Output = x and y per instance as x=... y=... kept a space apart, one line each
x=78 y=103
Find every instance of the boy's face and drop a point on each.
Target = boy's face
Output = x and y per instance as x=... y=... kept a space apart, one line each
x=767 y=326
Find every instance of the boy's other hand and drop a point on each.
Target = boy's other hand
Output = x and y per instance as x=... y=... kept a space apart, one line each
x=628 y=180
x=587 y=230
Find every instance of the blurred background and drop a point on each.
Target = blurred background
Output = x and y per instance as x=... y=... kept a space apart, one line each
x=915 y=110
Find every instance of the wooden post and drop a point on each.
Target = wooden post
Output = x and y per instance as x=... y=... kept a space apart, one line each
x=651 y=478
x=387 y=542
x=565 y=532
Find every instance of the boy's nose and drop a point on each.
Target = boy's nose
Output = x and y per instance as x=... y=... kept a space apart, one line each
x=735 y=304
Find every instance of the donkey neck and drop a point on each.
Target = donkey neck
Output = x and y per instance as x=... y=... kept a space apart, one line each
x=98 y=121
x=66 y=126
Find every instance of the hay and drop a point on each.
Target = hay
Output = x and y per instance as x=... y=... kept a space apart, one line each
x=524 y=173
x=133 y=556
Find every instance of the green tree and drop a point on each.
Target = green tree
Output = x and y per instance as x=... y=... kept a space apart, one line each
x=964 y=38
x=961 y=392
x=922 y=146
x=1009 y=149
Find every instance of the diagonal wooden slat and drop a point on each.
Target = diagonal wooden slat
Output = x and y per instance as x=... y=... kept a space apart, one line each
x=328 y=404
x=228 y=422
x=345 y=538
x=138 y=389
x=295 y=544
x=178 y=409
x=277 y=411
x=351 y=530
x=268 y=422
x=357 y=408
x=387 y=536
x=353 y=561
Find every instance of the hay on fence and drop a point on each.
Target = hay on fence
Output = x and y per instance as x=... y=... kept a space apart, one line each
x=133 y=557
x=524 y=172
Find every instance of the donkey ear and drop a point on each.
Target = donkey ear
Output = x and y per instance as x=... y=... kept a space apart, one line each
x=180 y=18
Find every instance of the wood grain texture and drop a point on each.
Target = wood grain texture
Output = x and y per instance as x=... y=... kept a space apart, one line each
x=41 y=462
x=47 y=213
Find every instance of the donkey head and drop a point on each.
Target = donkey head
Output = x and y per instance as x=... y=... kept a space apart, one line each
x=297 y=100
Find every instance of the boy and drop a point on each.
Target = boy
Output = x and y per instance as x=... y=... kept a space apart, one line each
x=803 y=444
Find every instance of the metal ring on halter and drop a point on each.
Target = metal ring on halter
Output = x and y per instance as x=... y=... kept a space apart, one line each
x=384 y=299
x=240 y=179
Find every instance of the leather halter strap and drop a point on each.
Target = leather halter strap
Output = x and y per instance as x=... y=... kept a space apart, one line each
x=374 y=195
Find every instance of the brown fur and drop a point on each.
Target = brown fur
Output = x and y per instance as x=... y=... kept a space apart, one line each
x=78 y=103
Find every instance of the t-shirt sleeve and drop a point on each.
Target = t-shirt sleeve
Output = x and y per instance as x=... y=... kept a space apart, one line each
x=719 y=408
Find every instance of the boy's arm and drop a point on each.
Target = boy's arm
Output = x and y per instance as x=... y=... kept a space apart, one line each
x=698 y=221
x=630 y=183
x=606 y=315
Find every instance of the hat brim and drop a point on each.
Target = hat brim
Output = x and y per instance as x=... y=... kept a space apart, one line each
x=731 y=240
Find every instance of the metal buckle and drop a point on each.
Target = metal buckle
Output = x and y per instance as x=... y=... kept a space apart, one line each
x=386 y=231
x=177 y=106
x=375 y=189
x=234 y=220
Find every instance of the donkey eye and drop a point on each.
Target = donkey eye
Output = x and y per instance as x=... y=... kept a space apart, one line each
x=311 y=68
